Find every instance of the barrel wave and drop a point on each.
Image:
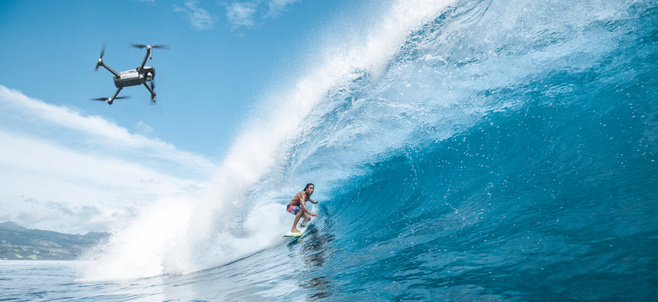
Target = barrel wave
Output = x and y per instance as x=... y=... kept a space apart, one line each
x=498 y=151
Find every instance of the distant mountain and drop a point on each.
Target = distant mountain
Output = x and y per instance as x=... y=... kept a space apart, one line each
x=9 y=225
x=19 y=243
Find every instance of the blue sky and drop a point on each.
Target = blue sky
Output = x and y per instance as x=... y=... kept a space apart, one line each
x=234 y=72
x=223 y=55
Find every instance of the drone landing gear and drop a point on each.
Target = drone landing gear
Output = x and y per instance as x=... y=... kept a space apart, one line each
x=150 y=89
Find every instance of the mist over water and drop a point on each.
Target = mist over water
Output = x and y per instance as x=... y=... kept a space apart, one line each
x=481 y=150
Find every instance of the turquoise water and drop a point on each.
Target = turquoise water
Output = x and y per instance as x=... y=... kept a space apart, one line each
x=525 y=167
x=505 y=152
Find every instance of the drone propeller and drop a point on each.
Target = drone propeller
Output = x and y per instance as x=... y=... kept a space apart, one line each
x=152 y=46
x=149 y=47
x=107 y=99
x=100 y=60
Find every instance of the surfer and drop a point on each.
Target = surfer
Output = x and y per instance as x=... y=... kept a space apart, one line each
x=297 y=206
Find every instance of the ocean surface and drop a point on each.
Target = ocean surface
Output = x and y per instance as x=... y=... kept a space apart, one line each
x=464 y=151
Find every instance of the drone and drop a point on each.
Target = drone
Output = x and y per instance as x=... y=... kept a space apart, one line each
x=132 y=77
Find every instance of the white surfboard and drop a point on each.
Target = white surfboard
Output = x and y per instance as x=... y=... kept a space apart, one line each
x=301 y=227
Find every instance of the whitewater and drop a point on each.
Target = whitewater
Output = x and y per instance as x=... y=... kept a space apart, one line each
x=461 y=151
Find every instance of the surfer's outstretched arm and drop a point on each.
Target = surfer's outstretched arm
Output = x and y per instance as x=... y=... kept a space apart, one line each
x=303 y=202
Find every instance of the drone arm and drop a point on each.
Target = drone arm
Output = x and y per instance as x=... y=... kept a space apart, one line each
x=101 y=63
x=148 y=53
x=114 y=96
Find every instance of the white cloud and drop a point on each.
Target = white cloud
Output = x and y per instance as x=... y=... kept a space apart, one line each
x=94 y=134
x=53 y=155
x=143 y=128
x=199 y=18
x=248 y=14
x=241 y=14
x=276 y=7
x=73 y=220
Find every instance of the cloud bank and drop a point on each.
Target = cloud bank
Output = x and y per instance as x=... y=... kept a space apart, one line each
x=70 y=172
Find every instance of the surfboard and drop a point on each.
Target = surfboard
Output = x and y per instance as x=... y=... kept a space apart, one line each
x=302 y=228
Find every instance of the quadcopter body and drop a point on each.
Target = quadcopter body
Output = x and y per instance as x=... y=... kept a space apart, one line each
x=134 y=77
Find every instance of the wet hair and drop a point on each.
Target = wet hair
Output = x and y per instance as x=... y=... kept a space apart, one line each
x=308 y=185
